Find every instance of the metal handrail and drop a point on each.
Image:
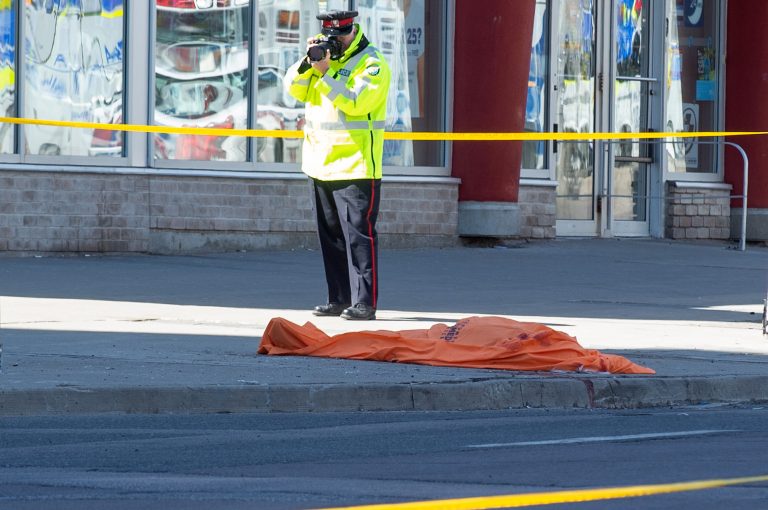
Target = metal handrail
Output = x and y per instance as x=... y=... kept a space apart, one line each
x=743 y=197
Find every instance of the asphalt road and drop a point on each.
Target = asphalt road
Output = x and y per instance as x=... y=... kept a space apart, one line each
x=301 y=461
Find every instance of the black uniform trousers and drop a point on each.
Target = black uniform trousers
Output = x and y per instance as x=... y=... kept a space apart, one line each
x=346 y=225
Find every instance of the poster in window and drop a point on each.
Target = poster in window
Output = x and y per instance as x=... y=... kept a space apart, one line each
x=706 y=81
x=414 y=40
x=691 y=125
x=694 y=13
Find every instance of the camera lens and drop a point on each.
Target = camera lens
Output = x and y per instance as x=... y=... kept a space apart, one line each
x=316 y=53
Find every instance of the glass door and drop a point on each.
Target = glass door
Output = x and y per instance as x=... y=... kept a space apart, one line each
x=628 y=177
x=603 y=83
x=576 y=94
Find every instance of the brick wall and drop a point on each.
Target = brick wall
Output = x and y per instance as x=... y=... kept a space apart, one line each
x=537 y=211
x=72 y=212
x=696 y=211
x=93 y=212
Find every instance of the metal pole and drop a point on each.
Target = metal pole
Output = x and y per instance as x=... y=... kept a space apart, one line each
x=743 y=239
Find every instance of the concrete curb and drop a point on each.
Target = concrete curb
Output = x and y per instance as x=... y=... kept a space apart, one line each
x=496 y=394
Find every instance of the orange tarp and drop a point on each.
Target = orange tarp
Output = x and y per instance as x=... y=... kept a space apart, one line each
x=474 y=342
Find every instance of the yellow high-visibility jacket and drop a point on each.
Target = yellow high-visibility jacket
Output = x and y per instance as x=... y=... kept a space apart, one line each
x=345 y=114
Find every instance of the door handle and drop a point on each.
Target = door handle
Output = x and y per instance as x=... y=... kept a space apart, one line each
x=632 y=159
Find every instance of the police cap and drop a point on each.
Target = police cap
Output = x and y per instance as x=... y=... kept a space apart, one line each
x=337 y=22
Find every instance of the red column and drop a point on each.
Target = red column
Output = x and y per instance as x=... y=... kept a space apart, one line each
x=492 y=55
x=746 y=92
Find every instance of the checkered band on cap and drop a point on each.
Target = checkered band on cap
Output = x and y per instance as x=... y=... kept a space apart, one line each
x=337 y=23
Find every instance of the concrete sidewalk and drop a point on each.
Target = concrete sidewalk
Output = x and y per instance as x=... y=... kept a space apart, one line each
x=179 y=334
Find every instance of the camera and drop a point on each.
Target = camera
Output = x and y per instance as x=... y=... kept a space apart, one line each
x=322 y=44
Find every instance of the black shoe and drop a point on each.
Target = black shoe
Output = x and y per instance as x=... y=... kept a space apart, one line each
x=359 y=312
x=330 y=309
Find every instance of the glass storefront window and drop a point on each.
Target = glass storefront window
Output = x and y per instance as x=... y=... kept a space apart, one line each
x=202 y=54
x=7 y=73
x=284 y=27
x=73 y=56
x=405 y=31
x=201 y=77
x=409 y=34
x=692 y=82
x=383 y=22
x=536 y=111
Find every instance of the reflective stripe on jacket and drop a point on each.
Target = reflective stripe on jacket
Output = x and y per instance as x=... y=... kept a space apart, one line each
x=345 y=113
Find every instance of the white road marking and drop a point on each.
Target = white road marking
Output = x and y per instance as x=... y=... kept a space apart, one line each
x=603 y=439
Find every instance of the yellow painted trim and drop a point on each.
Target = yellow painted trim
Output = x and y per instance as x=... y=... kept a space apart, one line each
x=417 y=136
x=551 y=498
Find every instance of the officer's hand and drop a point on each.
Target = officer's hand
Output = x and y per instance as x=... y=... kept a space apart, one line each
x=322 y=66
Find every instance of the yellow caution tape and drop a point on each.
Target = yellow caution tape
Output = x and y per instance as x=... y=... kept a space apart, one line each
x=390 y=135
x=551 y=498
x=561 y=136
x=138 y=128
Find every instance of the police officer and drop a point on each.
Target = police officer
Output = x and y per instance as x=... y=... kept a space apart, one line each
x=344 y=81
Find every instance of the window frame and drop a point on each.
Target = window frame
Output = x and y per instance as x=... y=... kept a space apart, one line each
x=549 y=171
x=15 y=157
x=719 y=159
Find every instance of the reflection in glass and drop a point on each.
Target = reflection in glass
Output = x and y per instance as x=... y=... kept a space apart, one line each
x=423 y=24
x=692 y=87
x=631 y=42
x=73 y=53
x=7 y=73
x=576 y=107
x=534 y=152
x=201 y=77
x=383 y=22
x=630 y=111
x=408 y=34
x=629 y=189
x=284 y=27
x=629 y=178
